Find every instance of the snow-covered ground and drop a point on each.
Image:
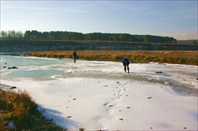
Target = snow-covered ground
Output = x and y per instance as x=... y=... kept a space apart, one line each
x=98 y=95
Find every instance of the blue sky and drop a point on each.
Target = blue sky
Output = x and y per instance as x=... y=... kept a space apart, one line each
x=177 y=18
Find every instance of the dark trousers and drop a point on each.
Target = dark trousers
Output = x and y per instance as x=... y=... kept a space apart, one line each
x=126 y=67
x=75 y=59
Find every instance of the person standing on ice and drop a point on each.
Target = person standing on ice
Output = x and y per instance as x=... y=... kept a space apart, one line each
x=75 y=56
x=126 y=63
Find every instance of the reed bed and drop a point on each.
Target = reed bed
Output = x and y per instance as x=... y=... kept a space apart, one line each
x=19 y=112
x=189 y=58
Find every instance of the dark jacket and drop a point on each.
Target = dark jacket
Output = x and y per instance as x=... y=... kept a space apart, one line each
x=75 y=55
x=125 y=61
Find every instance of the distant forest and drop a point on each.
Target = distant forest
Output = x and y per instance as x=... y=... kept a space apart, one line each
x=66 y=36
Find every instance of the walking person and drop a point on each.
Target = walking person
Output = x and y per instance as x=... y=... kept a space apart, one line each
x=126 y=63
x=75 y=56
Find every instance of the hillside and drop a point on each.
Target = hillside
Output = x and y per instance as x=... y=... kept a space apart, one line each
x=46 y=45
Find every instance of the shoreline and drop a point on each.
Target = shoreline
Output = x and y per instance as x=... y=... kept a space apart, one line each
x=19 y=112
x=171 y=57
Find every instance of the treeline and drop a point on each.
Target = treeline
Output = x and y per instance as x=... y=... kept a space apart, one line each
x=65 y=35
x=11 y=35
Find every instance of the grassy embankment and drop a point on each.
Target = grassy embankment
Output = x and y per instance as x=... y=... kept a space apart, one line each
x=18 y=108
x=189 y=58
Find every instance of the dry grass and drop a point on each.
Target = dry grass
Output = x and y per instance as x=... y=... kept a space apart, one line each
x=22 y=111
x=189 y=58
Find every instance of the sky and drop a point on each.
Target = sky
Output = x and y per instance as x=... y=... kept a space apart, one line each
x=175 y=18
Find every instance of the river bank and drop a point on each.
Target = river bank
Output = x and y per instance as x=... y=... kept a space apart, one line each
x=189 y=58
x=19 y=112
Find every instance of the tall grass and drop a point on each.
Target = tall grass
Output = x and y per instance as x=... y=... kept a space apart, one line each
x=189 y=58
x=19 y=109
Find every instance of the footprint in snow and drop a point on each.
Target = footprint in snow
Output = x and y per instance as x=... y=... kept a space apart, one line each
x=128 y=107
x=119 y=97
x=69 y=116
x=110 y=105
x=105 y=104
x=121 y=119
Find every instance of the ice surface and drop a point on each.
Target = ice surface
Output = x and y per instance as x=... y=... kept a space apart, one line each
x=99 y=95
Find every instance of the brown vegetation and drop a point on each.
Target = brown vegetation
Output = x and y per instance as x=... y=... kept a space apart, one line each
x=19 y=109
x=190 y=58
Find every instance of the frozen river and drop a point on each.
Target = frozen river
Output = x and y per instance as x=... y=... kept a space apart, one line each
x=99 y=95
